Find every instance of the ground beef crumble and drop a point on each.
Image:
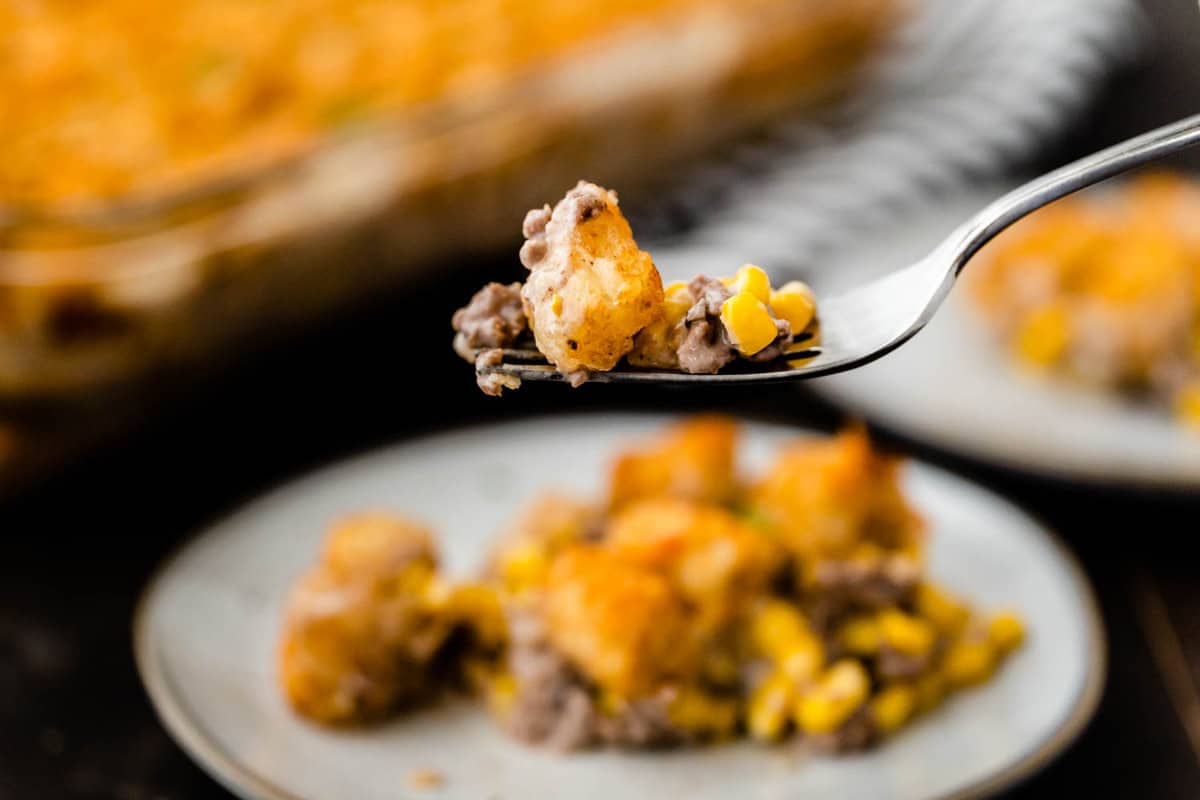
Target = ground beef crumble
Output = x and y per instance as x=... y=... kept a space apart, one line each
x=842 y=587
x=493 y=318
x=704 y=348
x=856 y=734
x=555 y=707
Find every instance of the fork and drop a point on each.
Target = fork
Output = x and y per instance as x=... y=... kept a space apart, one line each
x=870 y=321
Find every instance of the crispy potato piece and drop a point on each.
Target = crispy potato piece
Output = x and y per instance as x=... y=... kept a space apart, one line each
x=374 y=544
x=619 y=623
x=714 y=560
x=693 y=460
x=547 y=525
x=590 y=288
x=359 y=629
x=825 y=497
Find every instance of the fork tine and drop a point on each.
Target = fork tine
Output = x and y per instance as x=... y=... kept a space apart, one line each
x=787 y=367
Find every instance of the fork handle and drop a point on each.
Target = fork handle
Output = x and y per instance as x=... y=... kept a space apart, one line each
x=1114 y=160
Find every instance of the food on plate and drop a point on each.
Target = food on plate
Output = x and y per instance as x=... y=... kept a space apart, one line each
x=365 y=626
x=593 y=298
x=1105 y=288
x=691 y=603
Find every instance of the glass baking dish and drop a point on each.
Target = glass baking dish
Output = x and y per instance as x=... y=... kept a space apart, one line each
x=102 y=297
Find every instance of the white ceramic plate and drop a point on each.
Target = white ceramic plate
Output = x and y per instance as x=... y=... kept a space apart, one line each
x=206 y=629
x=955 y=387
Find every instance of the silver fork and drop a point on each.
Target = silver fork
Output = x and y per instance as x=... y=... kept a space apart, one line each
x=871 y=320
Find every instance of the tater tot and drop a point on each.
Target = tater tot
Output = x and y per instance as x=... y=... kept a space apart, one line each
x=693 y=460
x=590 y=288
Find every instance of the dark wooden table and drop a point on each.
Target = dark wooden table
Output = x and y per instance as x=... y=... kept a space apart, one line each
x=74 y=722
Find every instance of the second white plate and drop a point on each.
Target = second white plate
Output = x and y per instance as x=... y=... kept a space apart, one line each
x=954 y=387
x=205 y=637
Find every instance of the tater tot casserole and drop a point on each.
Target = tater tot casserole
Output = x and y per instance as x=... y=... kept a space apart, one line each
x=105 y=99
x=689 y=604
x=1105 y=289
x=593 y=299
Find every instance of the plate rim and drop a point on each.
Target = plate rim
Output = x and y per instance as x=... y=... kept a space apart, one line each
x=1101 y=476
x=205 y=752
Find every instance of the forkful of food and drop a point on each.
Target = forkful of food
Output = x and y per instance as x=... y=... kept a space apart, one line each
x=594 y=307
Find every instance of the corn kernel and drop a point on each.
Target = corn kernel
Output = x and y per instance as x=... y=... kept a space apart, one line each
x=1006 y=631
x=967 y=662
x=931 y=690
x=524 y=566
x=803 y=660
x=868 y=553
x=906 y=633
x=859 y=635
x=676 y=302
x=501 y=693
x=795 y=302
x=840 y=692
x=748 y=323
x=776 y=627
x=1044 y=336
x=478 y=606
x=767 y=715
x=939 y=607
x=556 y=305
x=893 y=706
x=1187 y=405
x=699 y=712
x=752 y=280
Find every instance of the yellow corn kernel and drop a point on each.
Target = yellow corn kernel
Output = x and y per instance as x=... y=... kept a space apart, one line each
x=523 y=566
x=859 y=635
x=479 y=607
x=501 y=693
x=1006 y=631
x=1044 y=336
x=436 y=593
x=795 y=302
x=699 y=712
x=752 y=280
x=968 y=662
x=802 y=660
x=868 y=553
x=769 y=707
x=556 y=305
x=748 y=322
x=905 y=633
x=893 y=706
x=676 y=302
x=776 y=627
x=1187 y=405
x=939 y=607
x=839 y=692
